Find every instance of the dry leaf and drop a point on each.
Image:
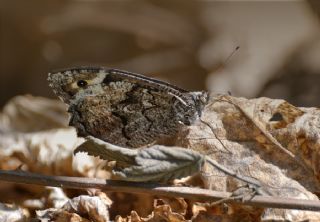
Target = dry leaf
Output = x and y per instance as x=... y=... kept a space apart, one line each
x=246 y=128
x=96 y=208
x=161 y=213
x=178 y=205
x=31 y=114
x=34 y=135
x=81 y=208
x=156 y=163
x=245 y=136
x=48 y=152
x=134 y=217
x=164 y=212
x=59 y=215
x=11 y=213
x=57 y=197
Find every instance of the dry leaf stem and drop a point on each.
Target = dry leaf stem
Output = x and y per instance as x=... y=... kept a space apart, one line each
x=22 y=177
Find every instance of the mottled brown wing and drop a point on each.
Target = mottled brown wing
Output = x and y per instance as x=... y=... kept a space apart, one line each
x=140 y=119
x=124 y=108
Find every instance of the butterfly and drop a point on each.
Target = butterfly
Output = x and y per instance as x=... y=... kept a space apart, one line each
x=124 y=108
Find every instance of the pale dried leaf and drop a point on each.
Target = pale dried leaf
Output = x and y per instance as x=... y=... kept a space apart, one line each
x=11 y=213
x=107 y=151
x=31 y=114
x=160 y=163
x=164 y=212
x=81 y=208
x=247 y=149
x=273 y=214
x=96 y=207
x=245 y=127
x=57 y=197
x=34 y=204
x=59 y=215
x=89 y=166
x=134 y=217
x=53 y=197
x=31 y=136
x=160 y=213
x=214 y=213
x=178 y=205
x=156 y=163
x=46 y=151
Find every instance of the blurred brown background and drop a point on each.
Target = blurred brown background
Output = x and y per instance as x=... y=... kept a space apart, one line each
x=183 y=42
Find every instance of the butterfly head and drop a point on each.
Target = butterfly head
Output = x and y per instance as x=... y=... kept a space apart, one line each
x=72 y=84
x=191 y=109
x=202 y=99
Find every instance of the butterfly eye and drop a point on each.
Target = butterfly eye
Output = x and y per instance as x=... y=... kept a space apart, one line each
x=82 y=83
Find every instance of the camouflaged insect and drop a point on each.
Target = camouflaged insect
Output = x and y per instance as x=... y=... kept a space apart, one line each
x=125 y=108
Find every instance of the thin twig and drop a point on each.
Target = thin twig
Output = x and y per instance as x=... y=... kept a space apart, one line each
x=212 y=130
x=240 y=194
x=232 y=173
x=153 y=189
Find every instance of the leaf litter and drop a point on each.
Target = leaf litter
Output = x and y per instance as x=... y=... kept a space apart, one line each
x=34 y=139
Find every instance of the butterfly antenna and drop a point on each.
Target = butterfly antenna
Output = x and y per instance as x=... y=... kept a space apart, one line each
x=223 y=64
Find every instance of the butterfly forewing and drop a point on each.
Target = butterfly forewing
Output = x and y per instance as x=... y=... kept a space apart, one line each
x=123 y=108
